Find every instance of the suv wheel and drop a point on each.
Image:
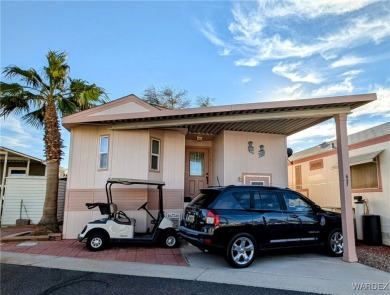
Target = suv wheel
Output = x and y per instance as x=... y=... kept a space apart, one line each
x=334 y=244
x=96 y=241
x=241 y=250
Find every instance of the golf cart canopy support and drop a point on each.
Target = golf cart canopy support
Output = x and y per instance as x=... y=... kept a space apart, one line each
x=129 y=181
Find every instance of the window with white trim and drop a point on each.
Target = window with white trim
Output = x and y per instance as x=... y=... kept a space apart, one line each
x=155 y=154
x=103 y=152
x=17 y=171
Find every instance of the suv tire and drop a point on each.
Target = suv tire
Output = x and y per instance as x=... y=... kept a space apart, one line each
x=241 y=250
x=334 y=243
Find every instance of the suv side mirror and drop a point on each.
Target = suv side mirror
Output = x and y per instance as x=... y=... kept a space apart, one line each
x=317 y=208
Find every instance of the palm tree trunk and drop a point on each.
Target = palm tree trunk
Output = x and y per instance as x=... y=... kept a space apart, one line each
x=53 y=143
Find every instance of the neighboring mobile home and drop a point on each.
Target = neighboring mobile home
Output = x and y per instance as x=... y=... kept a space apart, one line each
x=188 y=149
x=23 y=188
x=314 y=172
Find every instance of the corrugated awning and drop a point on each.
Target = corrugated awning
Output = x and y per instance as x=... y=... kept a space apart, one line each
x=362 y=159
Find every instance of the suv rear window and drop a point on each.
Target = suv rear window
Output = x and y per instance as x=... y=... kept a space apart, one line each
x=204 y=199
x=234 y=200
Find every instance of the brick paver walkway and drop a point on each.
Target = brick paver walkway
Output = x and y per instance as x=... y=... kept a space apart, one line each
x=73 y=248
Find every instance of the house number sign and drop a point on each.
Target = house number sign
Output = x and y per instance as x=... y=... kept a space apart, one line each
x=251 y=149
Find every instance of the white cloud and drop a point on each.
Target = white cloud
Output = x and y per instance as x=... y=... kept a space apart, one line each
x=324 y=130
x=225 y=52
x=327 y=132
x=348 y=61
x=352 y=73
x=296 y=73
x=337 y=88
x=381 y=106
x=20 y=137
x=246 y=80
x=314 y=9
x=289 y=92
x=261 y=30
x=251 y=62
x=209 y=32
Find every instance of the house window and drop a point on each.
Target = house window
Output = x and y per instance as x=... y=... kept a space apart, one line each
x=317 y=164
x=196 y=164
x=155 y=154
x=103 y=152
x=16 y=171
x=298 y=177
x=365 y=176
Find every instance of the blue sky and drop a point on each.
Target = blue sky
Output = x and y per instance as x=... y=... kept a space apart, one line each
x=236 y=52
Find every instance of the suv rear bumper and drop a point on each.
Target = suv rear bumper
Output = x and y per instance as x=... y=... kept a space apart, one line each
x=199 y=239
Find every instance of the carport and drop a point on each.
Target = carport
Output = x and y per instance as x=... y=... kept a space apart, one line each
x=279 y=117
x=282 y=117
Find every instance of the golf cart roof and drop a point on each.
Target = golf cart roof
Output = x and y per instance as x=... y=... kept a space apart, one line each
x=128 y=181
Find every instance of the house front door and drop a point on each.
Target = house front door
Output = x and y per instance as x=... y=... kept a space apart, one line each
x=197 y=171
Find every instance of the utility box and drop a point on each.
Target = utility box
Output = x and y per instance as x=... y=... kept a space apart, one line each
x=372 y=230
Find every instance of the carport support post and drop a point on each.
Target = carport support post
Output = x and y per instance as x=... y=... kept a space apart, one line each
x=345 y=188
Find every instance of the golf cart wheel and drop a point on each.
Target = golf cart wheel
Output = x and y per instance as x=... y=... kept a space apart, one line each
x=241 y=250
x=170 y=240
x=334 y=245
x=96 y=241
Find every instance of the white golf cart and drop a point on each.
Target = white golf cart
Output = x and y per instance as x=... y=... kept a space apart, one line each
x=118 y=227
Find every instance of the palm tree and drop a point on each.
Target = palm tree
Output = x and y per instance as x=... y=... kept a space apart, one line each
x=42 y=99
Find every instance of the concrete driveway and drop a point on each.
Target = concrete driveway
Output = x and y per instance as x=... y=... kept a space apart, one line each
x=310 y=272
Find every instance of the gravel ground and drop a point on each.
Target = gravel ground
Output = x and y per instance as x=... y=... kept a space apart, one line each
x=374 y=256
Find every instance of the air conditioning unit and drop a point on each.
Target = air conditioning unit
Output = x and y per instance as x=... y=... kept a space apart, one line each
x=175 y=217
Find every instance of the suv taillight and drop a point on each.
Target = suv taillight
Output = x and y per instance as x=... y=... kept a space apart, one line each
x=212 y=218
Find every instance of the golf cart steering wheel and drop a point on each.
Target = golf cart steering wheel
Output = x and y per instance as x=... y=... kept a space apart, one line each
x=143 y=206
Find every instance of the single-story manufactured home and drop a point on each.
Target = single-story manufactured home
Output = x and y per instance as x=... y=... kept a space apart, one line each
x=314 y=173
x=190 y=149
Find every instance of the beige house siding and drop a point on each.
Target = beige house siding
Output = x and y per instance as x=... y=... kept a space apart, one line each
x=128 y=157
x=322 y=185
x=238 y=160
x=174 y=158
x=218 y=163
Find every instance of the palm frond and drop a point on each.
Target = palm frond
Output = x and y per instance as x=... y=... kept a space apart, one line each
x=15 y=99
x=57 y=70
x=66 y=106
x=85 y=95
x=30 y=76
x=35 y=118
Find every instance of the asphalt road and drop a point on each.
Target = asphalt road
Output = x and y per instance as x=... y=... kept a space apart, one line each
x=29 y=280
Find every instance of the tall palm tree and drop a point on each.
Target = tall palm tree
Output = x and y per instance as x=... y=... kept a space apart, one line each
x=42 y=99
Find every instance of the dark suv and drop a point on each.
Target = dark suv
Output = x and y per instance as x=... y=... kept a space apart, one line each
x=237 y=221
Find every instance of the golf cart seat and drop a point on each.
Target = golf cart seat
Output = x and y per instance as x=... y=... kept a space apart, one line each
x=120 y=216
